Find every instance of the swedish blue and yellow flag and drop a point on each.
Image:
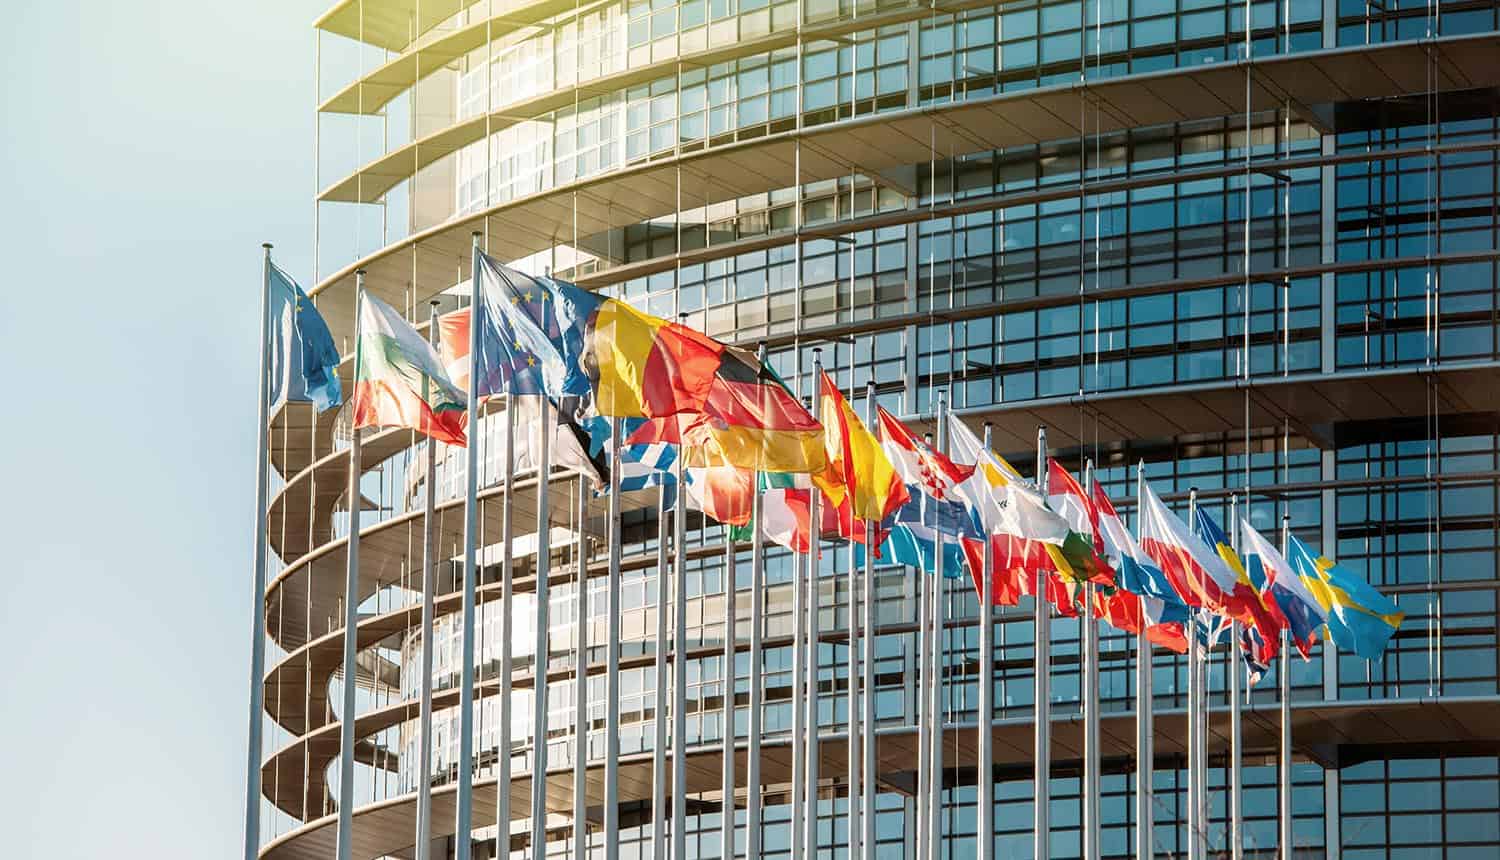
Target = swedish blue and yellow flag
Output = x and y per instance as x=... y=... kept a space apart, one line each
x=1360 y=619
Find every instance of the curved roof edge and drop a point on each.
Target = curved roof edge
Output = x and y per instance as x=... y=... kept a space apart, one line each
x=520 y=227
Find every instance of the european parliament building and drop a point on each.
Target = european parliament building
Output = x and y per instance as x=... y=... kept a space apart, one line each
x=1263 y=263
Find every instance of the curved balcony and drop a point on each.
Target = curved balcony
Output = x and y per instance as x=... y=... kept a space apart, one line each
x=874 y=145
x=1361 y=728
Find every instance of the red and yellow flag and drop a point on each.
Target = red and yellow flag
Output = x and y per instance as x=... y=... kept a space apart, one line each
x=749 y=419
x=646 y=367
x=858 y=469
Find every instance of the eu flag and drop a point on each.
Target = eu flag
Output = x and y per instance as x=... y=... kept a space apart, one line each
x=531 y=333
x=304 y=359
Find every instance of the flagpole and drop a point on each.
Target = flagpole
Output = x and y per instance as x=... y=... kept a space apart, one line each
x=679 y=663
x=1144 y=758
x=923 y=704
x=429 y=592
x=581 y=685
x=541 y=653
x=757 y=682
x=986 y=826
x=810 y=795
x=258 y=585
x=799 y=714
x=507 y=632
x=1194 y=712
x=1285 y=739
x=726 y=776
x=351 y=599
x=1236 y=768
x=659 y=812
x=937 y=652
x=613 y=610
x=856 y=742
x=1042 y=773
x=463 y=811
x=867 y=746
x=1090 y=704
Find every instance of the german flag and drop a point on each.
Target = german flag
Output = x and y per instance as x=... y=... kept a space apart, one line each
x=749 y=419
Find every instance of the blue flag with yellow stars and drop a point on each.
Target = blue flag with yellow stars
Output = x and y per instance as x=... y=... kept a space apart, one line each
x=531 y=333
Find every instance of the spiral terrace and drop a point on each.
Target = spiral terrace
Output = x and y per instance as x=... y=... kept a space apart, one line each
x=1041 y=210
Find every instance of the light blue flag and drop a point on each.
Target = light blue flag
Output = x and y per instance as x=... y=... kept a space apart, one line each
x=641 y=466
x=304 y=359
x=1360 y=619
x=913 y=538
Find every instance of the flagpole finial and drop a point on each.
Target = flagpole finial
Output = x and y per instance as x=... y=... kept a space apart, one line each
x=360 y=272
x=477 y=235
x=266 y=245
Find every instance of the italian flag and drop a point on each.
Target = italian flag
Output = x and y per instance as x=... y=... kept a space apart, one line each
x=786 y=514
x=399 y=380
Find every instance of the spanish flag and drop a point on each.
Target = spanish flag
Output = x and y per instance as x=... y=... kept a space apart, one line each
x=858 y=469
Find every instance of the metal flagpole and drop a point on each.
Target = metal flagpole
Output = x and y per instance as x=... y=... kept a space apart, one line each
x=464 y=808
x=679 y=665
x=581 y=686
x=1042 y=773
x=659 y=776
x=612 y=613
x=1236 y=768
x=726 y=782
x=1194 y=711
x=856 y=742
x=1090 y=621
x=1285 y=745
x=258 y=586
x=351 y=600
x=986 y=828
x=938 y=656
x=429 y=593
x=757 y=682
x=507 y=632
x=810 y=794
x=799 y=714
x=867 y=745
x=541 y=653
x=923 y=702
x=1144 y=758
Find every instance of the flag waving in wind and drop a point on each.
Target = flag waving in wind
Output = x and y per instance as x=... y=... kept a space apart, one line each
x=1161 y=605
x=1244 y=603
x=1196 y=572
x=748 y=419
x=304 y=359
x=1303 y=613
x=399 y=380
x=1360 y=619
x=531 y=333
x=933 y=519
x=1005 y=503
x=865 y=475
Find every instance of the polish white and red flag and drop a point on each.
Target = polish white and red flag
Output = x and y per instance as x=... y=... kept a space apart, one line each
x=1196 y=572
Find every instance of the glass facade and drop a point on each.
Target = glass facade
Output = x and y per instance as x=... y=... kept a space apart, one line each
x=1229 y=257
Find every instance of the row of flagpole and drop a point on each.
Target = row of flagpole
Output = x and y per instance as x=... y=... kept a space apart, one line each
x=805 y=779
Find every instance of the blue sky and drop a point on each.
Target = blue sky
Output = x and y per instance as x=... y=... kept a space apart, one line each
x=149 y=150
